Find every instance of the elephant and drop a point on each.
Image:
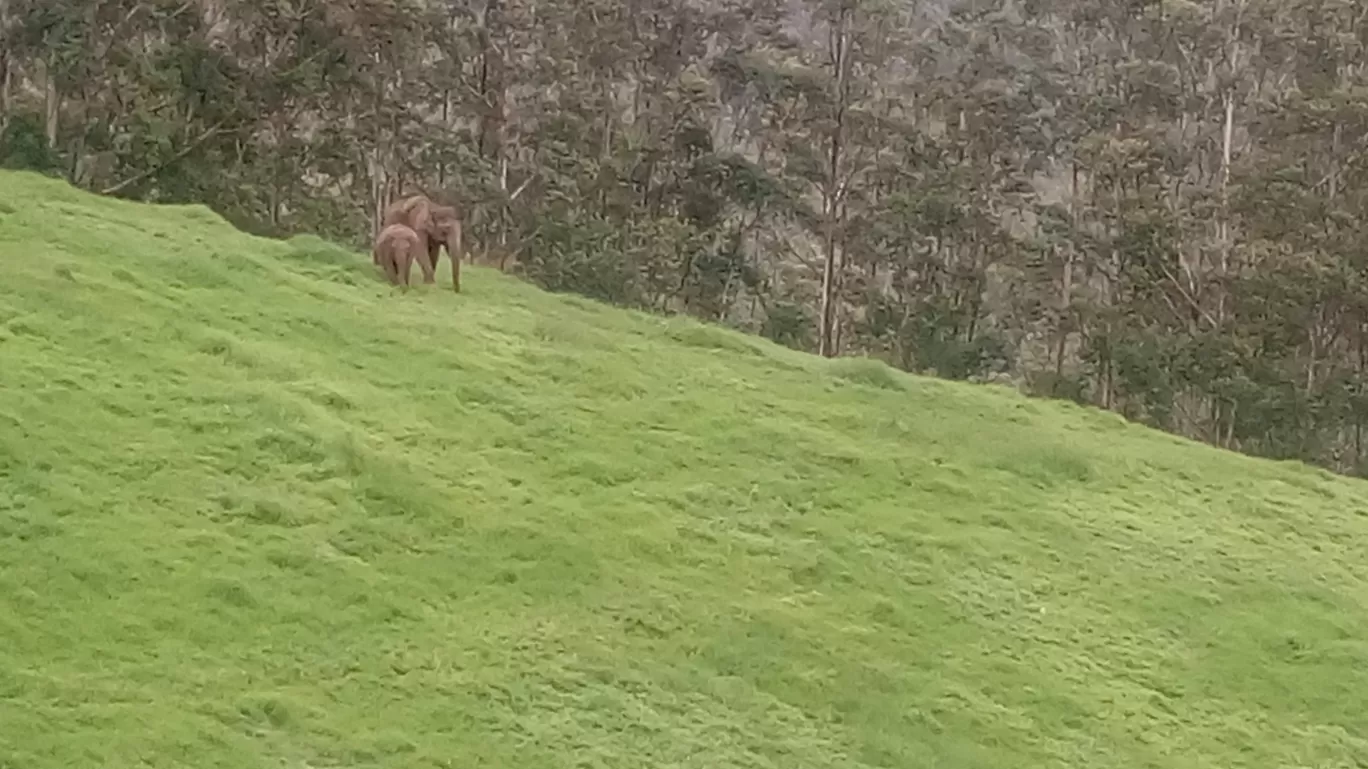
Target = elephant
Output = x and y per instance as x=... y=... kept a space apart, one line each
x=396 y=247
x=436 y=225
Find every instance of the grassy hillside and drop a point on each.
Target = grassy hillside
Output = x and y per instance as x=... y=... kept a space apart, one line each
x=258 y=510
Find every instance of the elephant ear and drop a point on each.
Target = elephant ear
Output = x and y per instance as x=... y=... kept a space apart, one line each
x=420 y=219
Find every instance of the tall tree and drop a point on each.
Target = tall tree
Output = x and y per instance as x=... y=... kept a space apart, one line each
x=1153 y=208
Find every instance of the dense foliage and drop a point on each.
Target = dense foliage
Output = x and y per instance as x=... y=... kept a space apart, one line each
x=1156 y=207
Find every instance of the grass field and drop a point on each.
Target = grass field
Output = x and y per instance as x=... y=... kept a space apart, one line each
x=259 y=510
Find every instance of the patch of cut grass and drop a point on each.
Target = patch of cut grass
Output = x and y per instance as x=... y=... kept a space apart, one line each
x=695 y=334
x=257 y=509
x=311 y=249
x=870 y=372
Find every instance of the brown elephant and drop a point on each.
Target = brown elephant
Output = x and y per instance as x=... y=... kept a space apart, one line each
x=396 y=248
x=436 y=225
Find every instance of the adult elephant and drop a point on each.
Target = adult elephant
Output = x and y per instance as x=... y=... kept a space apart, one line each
x=438 y=226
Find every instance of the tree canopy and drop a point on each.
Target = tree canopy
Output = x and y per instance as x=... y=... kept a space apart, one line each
x=1159 y=208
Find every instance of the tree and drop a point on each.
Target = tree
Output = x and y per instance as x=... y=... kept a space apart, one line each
x=1154 y=208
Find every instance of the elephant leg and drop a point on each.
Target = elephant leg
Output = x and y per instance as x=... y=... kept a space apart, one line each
x=426 y=265
x=428 y=261
x=405 y=266
x=387 y=263
x=434 y=255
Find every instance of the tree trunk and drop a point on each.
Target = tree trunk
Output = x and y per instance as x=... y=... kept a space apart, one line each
x=1227 y=139
x=377 y=192
x=1361 y=344
x=492 y=81
x=1066 y=287
x=446 y=121
x=505 y=201
x=831 y=208
x=6 y=78
x=1335 y=141
x=51 y=103
x=1223 y=227
x=6 y=65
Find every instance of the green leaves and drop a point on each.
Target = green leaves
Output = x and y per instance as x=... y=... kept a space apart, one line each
x=1090 y=192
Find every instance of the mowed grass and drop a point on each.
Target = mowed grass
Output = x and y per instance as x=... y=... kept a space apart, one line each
x=259 y=510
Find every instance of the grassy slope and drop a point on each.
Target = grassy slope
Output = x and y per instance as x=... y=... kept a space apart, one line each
x=258 y=510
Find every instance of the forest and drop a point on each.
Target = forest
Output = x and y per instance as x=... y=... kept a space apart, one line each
x=1157 y=208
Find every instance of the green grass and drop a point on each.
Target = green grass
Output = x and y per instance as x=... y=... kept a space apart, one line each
x=259 y=510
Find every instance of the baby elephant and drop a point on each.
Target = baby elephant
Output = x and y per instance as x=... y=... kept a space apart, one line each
x=396 y=247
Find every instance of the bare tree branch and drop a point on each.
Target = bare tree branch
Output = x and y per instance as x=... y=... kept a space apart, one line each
x=213 y=131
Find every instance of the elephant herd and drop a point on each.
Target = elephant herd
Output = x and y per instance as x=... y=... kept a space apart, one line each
x=415 y=229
